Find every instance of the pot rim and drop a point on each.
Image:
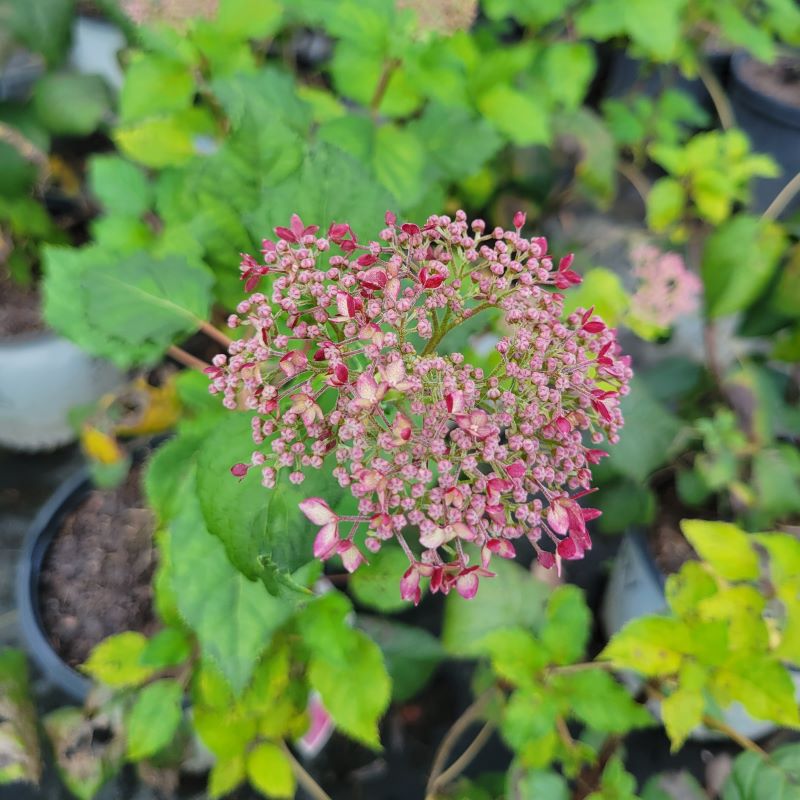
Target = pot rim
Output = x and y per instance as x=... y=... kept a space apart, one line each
x=785 y=115
x=35 y=545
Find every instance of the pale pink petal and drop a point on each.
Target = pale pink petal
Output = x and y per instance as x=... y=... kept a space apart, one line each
x=317 y=510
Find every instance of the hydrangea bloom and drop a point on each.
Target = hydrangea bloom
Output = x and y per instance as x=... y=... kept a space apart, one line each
x=667 y=289
x=340 y=365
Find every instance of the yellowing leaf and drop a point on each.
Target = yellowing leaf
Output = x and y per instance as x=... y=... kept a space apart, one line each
x=270 y=771
x=649 y=645
x=115 y=661
x=728 y=549
x=100 y=446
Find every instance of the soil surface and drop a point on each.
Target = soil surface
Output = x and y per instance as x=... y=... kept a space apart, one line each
x=780 y=81
x=96 y=575
x=669 y=547
x=20 y=310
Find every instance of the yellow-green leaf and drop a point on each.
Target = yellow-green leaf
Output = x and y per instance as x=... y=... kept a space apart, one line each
x=115 y=661
x=270 y=771
x=728 y=549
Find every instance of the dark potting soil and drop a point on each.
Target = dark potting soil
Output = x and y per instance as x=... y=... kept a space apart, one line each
x=96 y=575
x=780 y=80
x=20 y=310
x=670 y=548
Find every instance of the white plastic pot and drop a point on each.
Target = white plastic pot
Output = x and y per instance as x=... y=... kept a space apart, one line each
x=42 y=377
x=636 y=589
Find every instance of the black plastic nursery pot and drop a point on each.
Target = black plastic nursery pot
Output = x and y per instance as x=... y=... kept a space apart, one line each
x=37 y=540
x=770 y=118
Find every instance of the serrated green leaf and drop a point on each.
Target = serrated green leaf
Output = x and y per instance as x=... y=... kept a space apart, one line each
x=226 y=775
x=71 y=104
x=346 y=668
x=682 y=710
x=154 y=718
x=168 y=648
x=756 y=778
x=567 y=624
x=377 y=585
x=516 y=656
x=270 y=771
x=116 y=661
x=232 y=617
x=725 y=547
x=665 y=203
x=514 y=598
x=121 y=187
x=686 y=589
x=154 y=84
x=516 y=115
x=599 y=701
x=649 y=645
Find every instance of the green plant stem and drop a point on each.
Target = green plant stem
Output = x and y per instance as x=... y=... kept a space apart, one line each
x=213 y=333
x=187 y=359
x=303 y=778
x=24 y=146
x=743 y=741
x=636 y=179
x=783 y=198
x=389 y=66
x=451 y=739
x=718 y=96
x=464 y=760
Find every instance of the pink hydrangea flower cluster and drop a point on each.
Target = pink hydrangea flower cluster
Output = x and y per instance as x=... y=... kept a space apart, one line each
x=667 y=289
x=340 y=364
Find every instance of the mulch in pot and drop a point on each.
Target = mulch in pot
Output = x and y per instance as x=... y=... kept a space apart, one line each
x=20 y=309
x=96 y=576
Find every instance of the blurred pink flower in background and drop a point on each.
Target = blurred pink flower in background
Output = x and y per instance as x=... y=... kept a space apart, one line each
x=666 y=288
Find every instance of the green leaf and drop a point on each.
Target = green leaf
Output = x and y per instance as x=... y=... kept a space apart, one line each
x=343 y=191
x=537 y=784
x=602 y=289
x=615 y=783
x=762 y=685
x=121 y=187
x=71 y=105
x=685 y=590
x=154 y=718
x=44 y=27
x=270 y=771
x=232 y=617
x=128 y=309
x=514 y=598
x=411 y=654
x=624 y=503
x=165 y=141
x=665 y=204
x=226 y=775
x=20 y=757
x=728 y=549
x=265 y=534
x=599 y=701
x=376 y=585
x=356 y=74
x=649 y=433
x=732 y=282
x=567 y=625
x=116 y=661
x=568 y=69
x=400 y=161
x=517 y=116
x=244 y=20
x=455 y=139
x=346 y=668
x=649 y=645
x=757 y=778
x=528 y=725
x=682 y=710
x=168 y=648
x=516 y=656
x=154 y=84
